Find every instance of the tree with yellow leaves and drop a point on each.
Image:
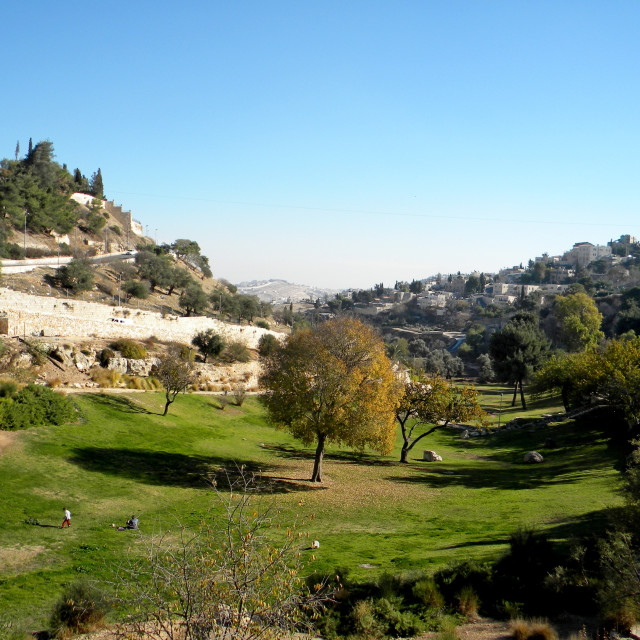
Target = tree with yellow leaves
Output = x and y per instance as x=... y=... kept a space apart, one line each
x=434 y=402
x=334 y=384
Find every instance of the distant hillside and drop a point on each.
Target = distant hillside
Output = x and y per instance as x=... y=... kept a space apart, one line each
x=283 y=291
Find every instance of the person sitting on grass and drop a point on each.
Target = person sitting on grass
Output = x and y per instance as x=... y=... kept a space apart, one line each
x=131 y=524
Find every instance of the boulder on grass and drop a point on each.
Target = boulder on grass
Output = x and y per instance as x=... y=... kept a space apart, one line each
x=533 y=457
x=431 y=456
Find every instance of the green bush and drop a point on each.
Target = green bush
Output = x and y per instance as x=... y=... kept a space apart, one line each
x=426 y=592
x=80 y=609
x=236 y=352
x=263 y=324
x=8 y=388
x=397 y=624
x=129 y=349
x=452 y=579
x=136 y=289
x=267 y=344
x=35 y=406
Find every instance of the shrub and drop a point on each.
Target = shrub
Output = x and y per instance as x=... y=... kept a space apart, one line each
x=263 y=324
x=236 y=351
x=129 y=349
x=397 y=623
x=468 y=603
x=448 y=630
x=364 y=621
x=37 y=352
x=239 y=393
x=80 y=609
x=106 y=378
x=136 y=289
x=35 y=406
x=426 y=592
x=267 y=344
x=105 y=355
x=521 y=574
x=532 y=630
x=8 y=388
x=451 y=580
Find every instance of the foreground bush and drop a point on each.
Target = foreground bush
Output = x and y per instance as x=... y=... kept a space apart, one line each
x=35 y=406
x=80 y=609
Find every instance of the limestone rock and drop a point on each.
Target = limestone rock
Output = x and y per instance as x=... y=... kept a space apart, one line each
x=141 y=367
x=431 y=456
x=82 y=361
x=117 y=364
x=533 y=457
x=465 y=434
x=63 y=356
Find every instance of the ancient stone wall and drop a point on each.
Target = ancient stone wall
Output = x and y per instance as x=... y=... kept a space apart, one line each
x=41 y=315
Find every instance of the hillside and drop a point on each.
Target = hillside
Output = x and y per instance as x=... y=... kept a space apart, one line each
x=280 y=291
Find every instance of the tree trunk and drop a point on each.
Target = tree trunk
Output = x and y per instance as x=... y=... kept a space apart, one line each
x=515 y=395
x=565 y=399
x=524 y=402
x=166 y=407
x=316 y=476
x=404 y=454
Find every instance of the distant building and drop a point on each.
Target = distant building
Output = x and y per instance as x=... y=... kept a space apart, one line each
x=583 y=253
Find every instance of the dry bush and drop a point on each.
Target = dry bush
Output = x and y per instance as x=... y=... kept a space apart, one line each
x=532 y=630
x=239 y=576
x=239 y=393
x=105 y=378
x=468 y=603
x=54 y=383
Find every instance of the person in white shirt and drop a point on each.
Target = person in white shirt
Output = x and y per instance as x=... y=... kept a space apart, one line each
x=67 y=518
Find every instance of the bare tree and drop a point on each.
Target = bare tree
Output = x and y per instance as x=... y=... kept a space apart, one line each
x=238 y=577
x=176 y=375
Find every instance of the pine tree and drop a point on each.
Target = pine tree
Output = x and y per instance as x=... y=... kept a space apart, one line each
x=17 y=149
x=97 y=188
x=30 y=147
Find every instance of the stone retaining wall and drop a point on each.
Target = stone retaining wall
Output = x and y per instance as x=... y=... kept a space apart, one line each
x=41 y=315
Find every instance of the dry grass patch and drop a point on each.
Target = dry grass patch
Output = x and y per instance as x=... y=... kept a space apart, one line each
x=19 y=558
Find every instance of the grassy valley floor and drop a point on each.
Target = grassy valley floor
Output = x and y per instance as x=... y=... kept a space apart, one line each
x=371 y=514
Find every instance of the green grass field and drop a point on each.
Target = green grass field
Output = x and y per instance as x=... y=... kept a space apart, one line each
x=124 y=458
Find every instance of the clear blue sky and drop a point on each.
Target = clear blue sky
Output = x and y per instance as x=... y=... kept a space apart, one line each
x=340 y=143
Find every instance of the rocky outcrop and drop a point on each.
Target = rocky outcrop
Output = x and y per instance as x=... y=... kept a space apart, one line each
x=431 y=456
x=533 y=457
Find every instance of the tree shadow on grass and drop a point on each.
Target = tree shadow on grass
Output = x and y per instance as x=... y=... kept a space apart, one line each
x=479 y=474
x=117 y=403
x=593 y=524
x=347 y=457
x=182 y=470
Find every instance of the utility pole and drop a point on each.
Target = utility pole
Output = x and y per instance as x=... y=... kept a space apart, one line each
x=25 y=233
